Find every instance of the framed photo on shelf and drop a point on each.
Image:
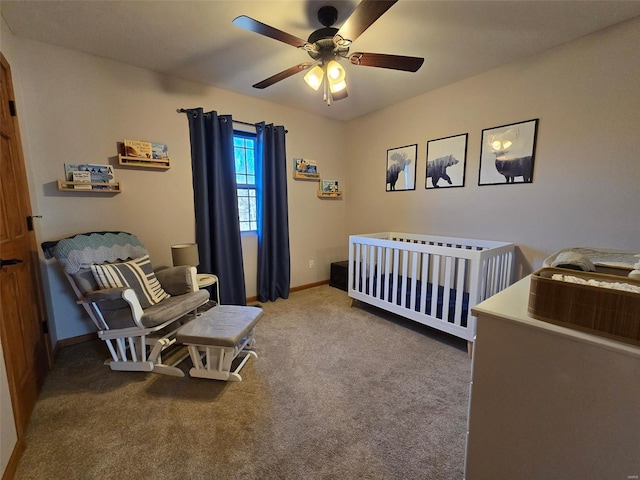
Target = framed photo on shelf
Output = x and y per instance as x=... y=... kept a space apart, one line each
x=507 y=153
x=401 y=168
x=99 y=173
x=446 y=161
x=329 y=186
x=138 y=148
x=159 y=151
x=305 y=166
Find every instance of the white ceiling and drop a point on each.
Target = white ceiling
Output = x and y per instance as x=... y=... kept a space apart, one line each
x=195 y=40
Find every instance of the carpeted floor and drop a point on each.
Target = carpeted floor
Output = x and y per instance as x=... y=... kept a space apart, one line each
x=336 y=393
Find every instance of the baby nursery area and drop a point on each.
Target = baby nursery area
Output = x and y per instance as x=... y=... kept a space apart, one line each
x=432 y=280
x=427 y=267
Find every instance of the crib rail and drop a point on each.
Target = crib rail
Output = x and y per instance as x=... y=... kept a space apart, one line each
x=429 y=279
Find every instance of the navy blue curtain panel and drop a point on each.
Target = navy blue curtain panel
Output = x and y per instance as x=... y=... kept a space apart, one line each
x=274 y=262
x=216 y=204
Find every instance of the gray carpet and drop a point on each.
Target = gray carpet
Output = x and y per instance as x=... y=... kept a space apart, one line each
x=336 y=393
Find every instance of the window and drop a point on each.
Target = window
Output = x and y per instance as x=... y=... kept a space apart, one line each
x=244 y=145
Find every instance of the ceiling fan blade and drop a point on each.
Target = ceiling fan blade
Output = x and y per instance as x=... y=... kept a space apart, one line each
x=282 y=75
x=382 y=60
x=367 y=12
x=255 y=26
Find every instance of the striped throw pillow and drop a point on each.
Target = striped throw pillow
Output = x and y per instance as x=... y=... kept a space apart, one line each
x=136 y=274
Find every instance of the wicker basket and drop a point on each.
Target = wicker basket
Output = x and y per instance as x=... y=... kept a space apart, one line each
x=598 y=310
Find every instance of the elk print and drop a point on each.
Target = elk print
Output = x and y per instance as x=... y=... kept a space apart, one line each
x=446 y=158
x=508 y=153
x=401 y=168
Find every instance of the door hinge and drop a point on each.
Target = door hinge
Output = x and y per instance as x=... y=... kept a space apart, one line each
x=12 y=108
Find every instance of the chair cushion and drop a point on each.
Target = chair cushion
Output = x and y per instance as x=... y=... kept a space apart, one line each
x=173 y=308
x=224 y=325
x=136 y=274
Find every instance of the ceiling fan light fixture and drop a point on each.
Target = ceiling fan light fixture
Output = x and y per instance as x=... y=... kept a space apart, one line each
x=314 y=77
x=336 y=87
x=327 y=45
x=335 y=71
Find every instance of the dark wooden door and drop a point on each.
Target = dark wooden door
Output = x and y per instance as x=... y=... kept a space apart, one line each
x=22 y=314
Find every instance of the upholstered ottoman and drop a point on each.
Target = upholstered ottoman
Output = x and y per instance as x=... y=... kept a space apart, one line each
x=217 y=337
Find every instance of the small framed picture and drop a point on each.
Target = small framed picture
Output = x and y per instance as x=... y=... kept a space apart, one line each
x=305 y=168
x=446 y=161
x=401 y=168
x=507 y=153
x=329 y=186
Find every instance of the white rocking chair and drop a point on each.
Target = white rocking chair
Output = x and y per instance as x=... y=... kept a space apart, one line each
x=136 y=336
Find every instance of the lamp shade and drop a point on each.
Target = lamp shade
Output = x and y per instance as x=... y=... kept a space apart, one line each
x=314 y=77
x=335 y=72
x=185 y=254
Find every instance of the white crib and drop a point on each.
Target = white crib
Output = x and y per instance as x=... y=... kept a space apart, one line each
x=429 y=279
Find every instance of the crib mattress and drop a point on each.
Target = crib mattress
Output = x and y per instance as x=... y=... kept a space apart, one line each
x=406 y=301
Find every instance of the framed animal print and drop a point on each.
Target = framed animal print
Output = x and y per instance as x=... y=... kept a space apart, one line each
x=446 y=162
x=401 y=168
x=507 y=153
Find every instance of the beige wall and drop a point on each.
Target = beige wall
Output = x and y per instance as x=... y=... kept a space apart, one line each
x=586 y=189
x=75 y=108
x=586 y=184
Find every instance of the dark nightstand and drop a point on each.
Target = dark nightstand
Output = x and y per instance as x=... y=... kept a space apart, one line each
x=339 y=275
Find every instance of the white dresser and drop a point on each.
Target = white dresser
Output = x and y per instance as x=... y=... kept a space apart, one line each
x=548 y=402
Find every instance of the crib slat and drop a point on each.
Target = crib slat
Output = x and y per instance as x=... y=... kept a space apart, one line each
x=371 y=269
x=387 y=269
x=462 y=268
x=425 y=281
x=394 y=283
x=414 y=279
x=403 y=290
x=435 y=281
x=357 y=284
x=447 y=288
x=380 y=287
x=363 y=269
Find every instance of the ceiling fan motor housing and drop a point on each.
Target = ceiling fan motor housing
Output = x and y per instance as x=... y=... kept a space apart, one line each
x=323 y=34
x=327 y=15
x=323 y=37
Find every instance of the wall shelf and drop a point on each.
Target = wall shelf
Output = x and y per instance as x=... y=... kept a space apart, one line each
x=306 y=176
x=67 y=186
x=322 y=194
x=164 y=163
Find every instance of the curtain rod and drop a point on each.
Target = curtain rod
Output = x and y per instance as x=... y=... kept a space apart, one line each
x=184 y=110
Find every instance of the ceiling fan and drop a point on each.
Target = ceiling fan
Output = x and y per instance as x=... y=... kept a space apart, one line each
x=327 y=45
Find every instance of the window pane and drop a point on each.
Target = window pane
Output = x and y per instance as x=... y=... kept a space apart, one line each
x=252 y=207
x=244 y=156
x=251 y=163
x=240 y=157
